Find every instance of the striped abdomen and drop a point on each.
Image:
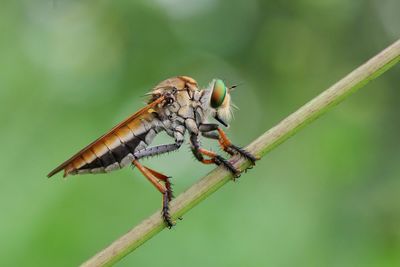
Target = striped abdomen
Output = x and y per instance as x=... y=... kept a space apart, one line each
x=113 y=150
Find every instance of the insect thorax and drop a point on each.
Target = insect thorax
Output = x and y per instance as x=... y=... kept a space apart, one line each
x=185 y=112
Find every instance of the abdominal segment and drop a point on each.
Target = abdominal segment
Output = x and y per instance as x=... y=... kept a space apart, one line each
x=113 y=151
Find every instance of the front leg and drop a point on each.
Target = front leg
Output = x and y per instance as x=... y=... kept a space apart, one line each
x=214 y=158
x=228 y=147
x=212 y=131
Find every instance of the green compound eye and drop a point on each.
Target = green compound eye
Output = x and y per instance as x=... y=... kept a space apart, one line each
x=218 y=94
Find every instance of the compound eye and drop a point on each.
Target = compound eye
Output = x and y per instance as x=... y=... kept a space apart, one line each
x=218 y=94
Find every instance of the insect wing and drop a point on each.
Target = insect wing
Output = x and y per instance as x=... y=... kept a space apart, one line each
x=98 y=154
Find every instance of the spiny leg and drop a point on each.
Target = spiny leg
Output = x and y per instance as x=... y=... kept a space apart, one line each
x=208 y=130
x=168 y=186
x=166 y=190
x=214 y=158
x=166 y=197
x=178 y=133
x=163 y=178
x=227 y=145
x=158 y=150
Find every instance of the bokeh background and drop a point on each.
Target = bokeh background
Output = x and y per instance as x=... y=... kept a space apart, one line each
x=69 y=70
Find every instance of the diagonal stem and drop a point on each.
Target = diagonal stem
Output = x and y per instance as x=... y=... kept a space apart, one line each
x=263 y=144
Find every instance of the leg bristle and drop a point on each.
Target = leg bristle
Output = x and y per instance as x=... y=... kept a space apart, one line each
x=235 y=172
x=165 y=211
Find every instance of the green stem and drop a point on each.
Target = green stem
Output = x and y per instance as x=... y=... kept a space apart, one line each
x=269 y=140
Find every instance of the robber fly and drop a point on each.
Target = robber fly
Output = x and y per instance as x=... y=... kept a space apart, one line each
x=176 y=106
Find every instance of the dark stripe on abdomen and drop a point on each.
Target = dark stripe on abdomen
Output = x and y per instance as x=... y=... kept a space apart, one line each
x=132 y=144
x=142 y=137
x=135 y=141
x=96 y=163
x=120 y=152
x=116 y=154
x=107 y=159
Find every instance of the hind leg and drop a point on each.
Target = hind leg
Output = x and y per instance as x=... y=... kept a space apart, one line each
x=166 y=190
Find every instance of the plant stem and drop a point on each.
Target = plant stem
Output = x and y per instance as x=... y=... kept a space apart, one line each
x=269 y=140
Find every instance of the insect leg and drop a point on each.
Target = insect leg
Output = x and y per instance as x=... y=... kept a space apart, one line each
x=209 y=130
x=229 y=147
x=211 y=135
x=166 y=190
x=163 y=178
x=214 y=158
x=161 y=149
x=156 y=150
x=226 y=144
x=153 y=175
x=208 y=127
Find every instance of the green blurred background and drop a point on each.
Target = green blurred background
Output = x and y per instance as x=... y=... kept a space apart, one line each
x=69 y=70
